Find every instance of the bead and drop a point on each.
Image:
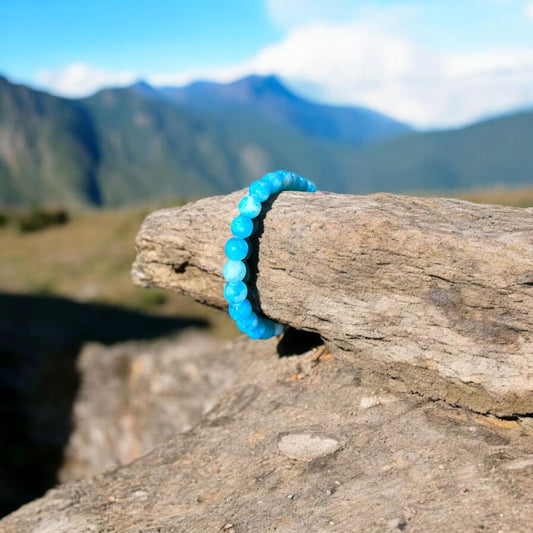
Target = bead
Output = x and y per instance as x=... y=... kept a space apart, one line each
x=300 y=183
x=234 y=271
x=241 y=310
x=236 y=249
x=250 y=206
x=287 y=181
x=269 y=329
x=235 y=292
x=275 y=179
x=278 y=328
x=311 y=187
x=258 y=331
x=261 y=189
x=242 y=226
x=248 y=323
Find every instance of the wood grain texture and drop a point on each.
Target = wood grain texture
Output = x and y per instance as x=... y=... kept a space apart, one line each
x=435 y=293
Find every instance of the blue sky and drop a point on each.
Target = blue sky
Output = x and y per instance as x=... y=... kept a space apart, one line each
x=434 y=63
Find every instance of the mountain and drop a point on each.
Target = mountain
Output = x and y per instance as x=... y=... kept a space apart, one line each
x=493 y=152
x=48 y=148
x=267 y=96
x=141 y=144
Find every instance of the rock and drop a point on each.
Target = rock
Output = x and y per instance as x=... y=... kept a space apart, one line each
x=412 y=464
x=435 y=293
x=307 y=446
x=136 y=395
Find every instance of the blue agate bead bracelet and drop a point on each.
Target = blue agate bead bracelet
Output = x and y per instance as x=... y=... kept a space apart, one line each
x=238 y=249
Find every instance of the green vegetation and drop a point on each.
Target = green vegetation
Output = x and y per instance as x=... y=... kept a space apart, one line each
x=132 y=146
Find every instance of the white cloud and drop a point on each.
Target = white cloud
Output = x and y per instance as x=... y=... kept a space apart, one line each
x=80 y=79
x=288 y=13
x=361 y=62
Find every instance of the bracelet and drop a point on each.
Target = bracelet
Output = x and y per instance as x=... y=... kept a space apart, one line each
x=238 y=249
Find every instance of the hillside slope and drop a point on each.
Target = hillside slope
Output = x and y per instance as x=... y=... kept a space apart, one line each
x=267 y=97
x=132 y=145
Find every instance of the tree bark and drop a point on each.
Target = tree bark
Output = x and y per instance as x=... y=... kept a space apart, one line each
x=435 y=293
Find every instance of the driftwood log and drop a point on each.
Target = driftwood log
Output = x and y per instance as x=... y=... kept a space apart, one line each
x=435 y=293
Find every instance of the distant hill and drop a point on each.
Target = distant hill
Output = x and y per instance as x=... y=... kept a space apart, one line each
x=140 y=144
x=494 y=152
x=267 y=96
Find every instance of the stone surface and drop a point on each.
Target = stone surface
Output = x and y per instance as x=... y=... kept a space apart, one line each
x=435 y=293
x=403 y=464
x=136 y=395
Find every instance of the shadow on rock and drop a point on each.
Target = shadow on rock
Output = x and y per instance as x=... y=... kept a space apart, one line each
x=40 y=339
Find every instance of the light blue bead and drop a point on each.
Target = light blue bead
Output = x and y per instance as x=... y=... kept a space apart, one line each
x=236 y=249
x=261 y=189
x=311 y=187
x=250 y=206
x=248 y=323
x=242 y=226
x=235 y=292
x=278 y=328
x=275 y=179
x=240 y=311
x=269 y=330
x=286 y=183
x=258 y=331
x=300 y=183
x=234 y=271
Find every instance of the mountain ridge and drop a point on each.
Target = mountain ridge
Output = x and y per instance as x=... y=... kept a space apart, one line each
x=132 y=145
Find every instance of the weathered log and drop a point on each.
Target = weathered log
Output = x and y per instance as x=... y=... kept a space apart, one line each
x=436 y=293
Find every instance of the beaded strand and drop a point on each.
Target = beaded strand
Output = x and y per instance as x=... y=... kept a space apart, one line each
x=238 y=249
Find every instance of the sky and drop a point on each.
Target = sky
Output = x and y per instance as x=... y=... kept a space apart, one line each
x=431 y=63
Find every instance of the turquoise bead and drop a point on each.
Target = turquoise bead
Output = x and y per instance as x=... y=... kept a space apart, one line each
x=248 y=323
x=241 y=310
x=250 y=206
x=236 y=249
x=234 y=271
x=242 y=226
x=278 y=328
x=261 y=189
x=235 y=292
x=300 y=183
x=275 y=179
x=258 y=331
x=269 y=329
x=311 y=187
x=286 y=183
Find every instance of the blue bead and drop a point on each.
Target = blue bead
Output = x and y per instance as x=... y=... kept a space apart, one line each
x=235 y=292
x=275 y=179
x=236 y=249
x=234 y=271
x=311 y=187
x=287 y=180
x=261 y=189
x=258 y=331
x=300 y=183
x=269 y=330
x=242 y=226
x=248 y=323
x=241 y=310
x=278 y=328
x=250 y=206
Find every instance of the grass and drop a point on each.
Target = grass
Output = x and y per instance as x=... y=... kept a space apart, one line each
x=88 y=259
